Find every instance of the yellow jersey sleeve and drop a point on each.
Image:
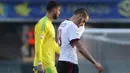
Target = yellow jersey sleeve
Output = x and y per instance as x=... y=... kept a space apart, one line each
x=40 y=32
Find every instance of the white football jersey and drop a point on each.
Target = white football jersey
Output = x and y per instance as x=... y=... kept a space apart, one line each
x=67 y=32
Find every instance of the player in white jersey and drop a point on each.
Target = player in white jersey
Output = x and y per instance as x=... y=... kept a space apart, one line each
x=69 y=33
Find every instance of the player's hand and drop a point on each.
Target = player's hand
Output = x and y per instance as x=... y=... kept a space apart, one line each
x=40 y=69
x=99 y=67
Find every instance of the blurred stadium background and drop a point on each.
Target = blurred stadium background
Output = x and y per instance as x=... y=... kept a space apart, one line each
x=107 y=34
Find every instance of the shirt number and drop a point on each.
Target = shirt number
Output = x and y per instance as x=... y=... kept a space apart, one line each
x=59 y=34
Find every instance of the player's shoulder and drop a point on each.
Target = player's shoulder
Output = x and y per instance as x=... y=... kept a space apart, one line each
x=68 y=24
x=43 y=20
x=71 y=25
x=41 y=23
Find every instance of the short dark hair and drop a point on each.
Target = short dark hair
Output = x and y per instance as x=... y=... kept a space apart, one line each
x=51 y=5
x=82 y=11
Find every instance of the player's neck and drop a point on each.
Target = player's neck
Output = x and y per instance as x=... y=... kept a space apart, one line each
x=74 y=20
x=49 y=16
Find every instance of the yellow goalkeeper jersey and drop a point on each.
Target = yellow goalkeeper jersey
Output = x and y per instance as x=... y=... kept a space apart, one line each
x=45 y=44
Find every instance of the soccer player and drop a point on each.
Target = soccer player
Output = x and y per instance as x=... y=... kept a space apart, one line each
x=69 y=33
x=45 y=44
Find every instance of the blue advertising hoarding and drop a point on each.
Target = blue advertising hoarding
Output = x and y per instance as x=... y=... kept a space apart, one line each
x=104 y=9
x=60 y=1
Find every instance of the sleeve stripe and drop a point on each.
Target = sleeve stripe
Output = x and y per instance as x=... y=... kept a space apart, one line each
x=44 y=24
x=73 y=40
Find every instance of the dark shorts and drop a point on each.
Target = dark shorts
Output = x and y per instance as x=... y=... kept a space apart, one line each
x=67 y=67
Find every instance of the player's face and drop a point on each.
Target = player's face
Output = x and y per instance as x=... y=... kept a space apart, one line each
x=56 y=12
x=83 y=20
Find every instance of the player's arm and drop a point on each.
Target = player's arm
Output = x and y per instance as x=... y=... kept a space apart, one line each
x=39 y=54
x=57 y=52
x=82 y=50
x=57 y=49
x=42 y=35
x=86 y=54
x=78 y=43
x=74 y=38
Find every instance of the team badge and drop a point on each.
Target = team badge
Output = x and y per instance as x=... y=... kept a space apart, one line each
x=41 y=36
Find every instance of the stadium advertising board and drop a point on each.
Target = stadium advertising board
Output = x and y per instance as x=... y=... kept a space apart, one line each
x=103 y=9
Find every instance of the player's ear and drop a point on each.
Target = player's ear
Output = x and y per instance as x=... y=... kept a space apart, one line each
x=53 y=10
x=79 y=16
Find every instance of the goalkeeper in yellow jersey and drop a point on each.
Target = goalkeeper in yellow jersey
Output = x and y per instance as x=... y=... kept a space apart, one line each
x=45 y=44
